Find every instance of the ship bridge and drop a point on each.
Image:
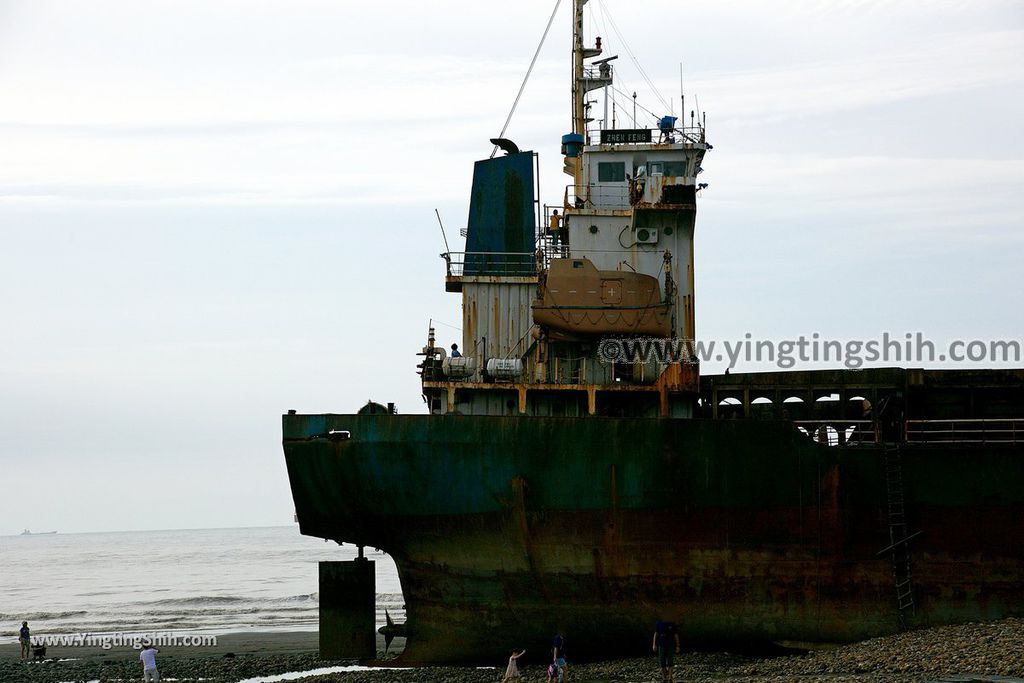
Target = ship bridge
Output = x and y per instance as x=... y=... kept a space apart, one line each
x=545 y=285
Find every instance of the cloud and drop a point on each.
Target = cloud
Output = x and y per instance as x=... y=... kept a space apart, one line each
x=946 y=200
x=954 y=63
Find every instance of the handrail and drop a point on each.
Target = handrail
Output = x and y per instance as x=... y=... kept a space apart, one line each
x=844 y=432
x=694 y=135
x=598 y=195
x=508 y=263
x=966 y=430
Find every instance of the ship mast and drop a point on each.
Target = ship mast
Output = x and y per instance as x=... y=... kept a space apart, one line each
x=579 y=123
x=583 y=81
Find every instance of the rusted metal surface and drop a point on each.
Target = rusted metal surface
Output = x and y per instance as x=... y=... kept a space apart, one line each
x=916 y=394
x=736 y=529
x=577 y=300
x=675 y=379
x=496 y=318
x=347 y=610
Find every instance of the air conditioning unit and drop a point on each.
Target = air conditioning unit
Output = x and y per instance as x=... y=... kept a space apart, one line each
x=646 y=236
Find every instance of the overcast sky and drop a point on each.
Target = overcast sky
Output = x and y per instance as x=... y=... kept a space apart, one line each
x=212 y=212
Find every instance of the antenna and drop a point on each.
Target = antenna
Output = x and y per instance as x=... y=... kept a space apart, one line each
x=447 y=249
x=682 y=97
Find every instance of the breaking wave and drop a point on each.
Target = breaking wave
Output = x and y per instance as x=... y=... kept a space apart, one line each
x=42 y=616
x=201 y=600
x=219 y=579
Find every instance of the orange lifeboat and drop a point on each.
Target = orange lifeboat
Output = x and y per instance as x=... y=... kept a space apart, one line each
x=578 y=300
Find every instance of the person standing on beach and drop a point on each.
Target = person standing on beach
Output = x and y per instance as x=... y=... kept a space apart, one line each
x=148 y=659
x=25 y=638
x=665 y=637
x=558 y=657
x=512 y=672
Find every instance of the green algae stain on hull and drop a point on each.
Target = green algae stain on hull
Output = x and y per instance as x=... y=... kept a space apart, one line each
x=738 y=530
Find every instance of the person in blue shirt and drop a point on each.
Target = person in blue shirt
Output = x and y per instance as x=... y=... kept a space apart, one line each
x=558 y=652
x=455 y=351
x=25 y=638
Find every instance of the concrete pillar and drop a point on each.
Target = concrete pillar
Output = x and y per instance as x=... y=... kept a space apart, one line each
x=348 y=603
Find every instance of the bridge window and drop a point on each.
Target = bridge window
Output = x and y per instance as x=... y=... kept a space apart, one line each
x=611 y=171
x=675 y=168
x=657 y=168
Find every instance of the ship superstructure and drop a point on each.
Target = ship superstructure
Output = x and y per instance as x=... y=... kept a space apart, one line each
x=542 y=285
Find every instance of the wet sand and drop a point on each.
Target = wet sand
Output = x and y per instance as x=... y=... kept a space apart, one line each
x=275 y=643
x=969 y=652
x=235 y=657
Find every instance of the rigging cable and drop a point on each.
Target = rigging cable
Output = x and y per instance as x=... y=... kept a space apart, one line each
x=597 y=15
x=527 y=77
x=632 y=57
x=640 y=106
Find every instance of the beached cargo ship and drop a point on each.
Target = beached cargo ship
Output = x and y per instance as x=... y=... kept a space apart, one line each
x=556 y=486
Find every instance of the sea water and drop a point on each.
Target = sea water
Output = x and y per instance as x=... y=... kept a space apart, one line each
x=213 y=580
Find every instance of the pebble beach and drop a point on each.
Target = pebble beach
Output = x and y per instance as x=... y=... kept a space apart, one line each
x=963 y=653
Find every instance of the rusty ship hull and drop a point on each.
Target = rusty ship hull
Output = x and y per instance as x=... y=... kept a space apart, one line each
x=739 y=530
x=563 y=482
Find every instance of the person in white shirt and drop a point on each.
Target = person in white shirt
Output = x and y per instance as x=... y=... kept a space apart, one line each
x=148 y=659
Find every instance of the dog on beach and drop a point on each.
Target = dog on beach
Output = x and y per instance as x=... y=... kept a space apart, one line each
x=38 y=652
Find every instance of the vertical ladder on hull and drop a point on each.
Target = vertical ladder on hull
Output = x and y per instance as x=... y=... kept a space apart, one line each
x=899 y=539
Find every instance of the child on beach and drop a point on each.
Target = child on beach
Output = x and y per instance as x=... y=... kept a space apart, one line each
x=512 y=672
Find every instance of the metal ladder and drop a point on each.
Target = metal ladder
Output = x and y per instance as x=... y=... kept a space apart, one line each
x=899 y=538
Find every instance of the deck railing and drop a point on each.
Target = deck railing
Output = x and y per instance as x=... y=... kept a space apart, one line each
x=839 y=432
x=506 y=263
x=598 y=196
x=976 y=431
x=1008 y=431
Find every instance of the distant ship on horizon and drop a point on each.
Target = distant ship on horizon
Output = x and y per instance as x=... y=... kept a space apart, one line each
x=26 y=532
